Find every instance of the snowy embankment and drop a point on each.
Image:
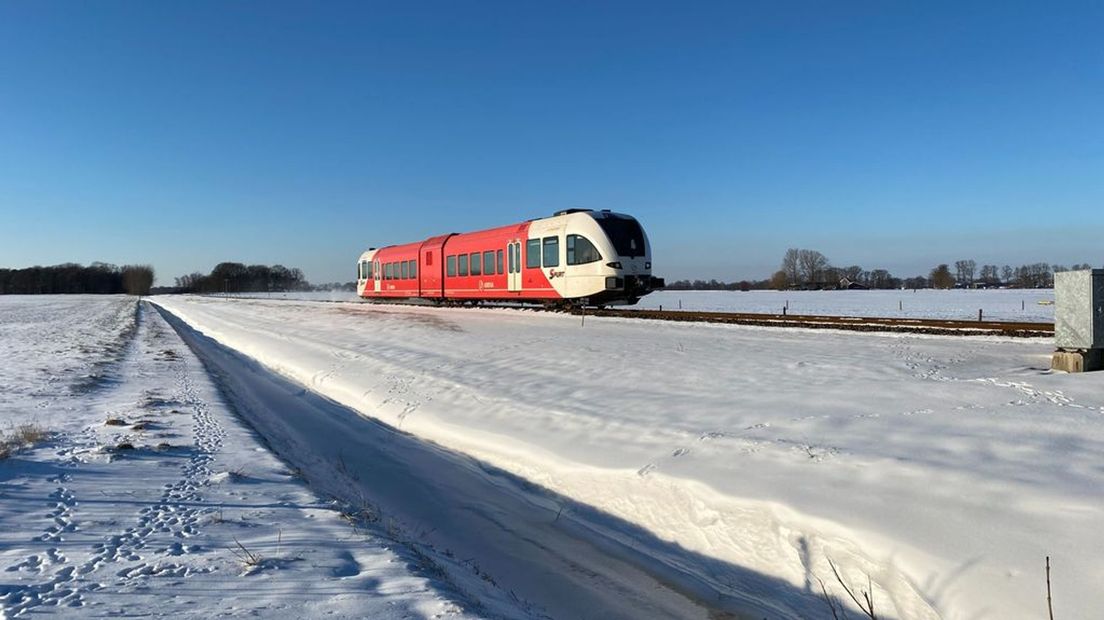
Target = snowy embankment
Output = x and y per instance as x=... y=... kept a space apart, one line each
x=149 y=497
x=737 y=461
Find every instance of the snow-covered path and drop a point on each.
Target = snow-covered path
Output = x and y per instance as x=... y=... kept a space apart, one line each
x=490 y=532
x=736 y=461
x=173 y=508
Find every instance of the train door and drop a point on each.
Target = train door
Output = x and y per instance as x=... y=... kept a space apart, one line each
x=377 y=272
x=513 y=266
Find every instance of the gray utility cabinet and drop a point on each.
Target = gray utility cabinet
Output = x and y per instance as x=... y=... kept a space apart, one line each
x=1079 y=309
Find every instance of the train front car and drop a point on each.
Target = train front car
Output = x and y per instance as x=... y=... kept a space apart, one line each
x=606 y=256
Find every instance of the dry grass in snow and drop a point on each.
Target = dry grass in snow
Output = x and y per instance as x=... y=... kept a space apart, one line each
x=21 y=437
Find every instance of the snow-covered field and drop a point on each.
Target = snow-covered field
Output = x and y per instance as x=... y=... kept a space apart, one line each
x=995 y=304
x=175 y=508
x=528 y=466
x=729 y=462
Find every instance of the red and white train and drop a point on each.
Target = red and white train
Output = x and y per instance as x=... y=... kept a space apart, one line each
x=575 y=256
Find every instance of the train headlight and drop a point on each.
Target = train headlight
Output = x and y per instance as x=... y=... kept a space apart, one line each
x=615 y=264
x=648 y=264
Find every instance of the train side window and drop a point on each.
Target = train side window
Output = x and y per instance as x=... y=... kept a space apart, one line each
x=510 y=259
x=488 y=263
x=368 y=270
x=404 y=269
x=462 y=259
x=551 y=252
x=387 y=271
x=450 y=266
x=360 y=271
x=581 y=251
x=476 y=264
x=532 y=254
x=498 y=262
x=414 y=268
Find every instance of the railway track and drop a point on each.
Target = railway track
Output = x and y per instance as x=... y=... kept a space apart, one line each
x=943 y=327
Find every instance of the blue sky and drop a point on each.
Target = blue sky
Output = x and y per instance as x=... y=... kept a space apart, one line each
x=886 y=134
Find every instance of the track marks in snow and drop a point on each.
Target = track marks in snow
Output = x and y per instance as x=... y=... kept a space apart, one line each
x=61 y=515
x=928 y=367
x=138 y=548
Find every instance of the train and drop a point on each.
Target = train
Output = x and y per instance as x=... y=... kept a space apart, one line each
x=576 y=257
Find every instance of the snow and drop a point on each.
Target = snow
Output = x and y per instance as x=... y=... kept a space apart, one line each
x=1031 y=305
x=355 y=460
x=734 y=462
x=196 y=518
x=995 y=304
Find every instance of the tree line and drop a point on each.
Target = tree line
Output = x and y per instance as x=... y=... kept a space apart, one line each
x=241 y=278
x=98 y=278
x=809 y=269
x=803 y=269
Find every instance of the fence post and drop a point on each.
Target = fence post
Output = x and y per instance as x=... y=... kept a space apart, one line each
x=979 y=314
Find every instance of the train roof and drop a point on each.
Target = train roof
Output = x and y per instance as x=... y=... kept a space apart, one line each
x=600 y=214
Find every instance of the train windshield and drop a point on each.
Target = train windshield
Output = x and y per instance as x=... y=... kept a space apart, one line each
x=625 y=234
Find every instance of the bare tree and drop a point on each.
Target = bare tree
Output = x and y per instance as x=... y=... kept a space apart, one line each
x=1007 y=274
x=779 y=281
x=791 y=265
x=1036 y=275
x=964 y=272
x=990 y=275
x=854 y=273
x=813 y=266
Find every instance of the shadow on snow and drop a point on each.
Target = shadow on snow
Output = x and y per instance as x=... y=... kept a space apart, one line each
x=543 y=553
